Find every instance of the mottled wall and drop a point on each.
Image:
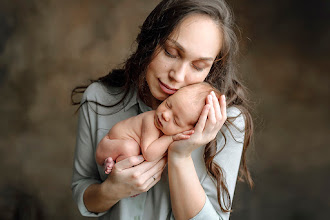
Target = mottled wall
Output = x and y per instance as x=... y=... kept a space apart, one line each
x=49 y=47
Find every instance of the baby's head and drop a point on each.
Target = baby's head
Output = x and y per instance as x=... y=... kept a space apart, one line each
x=180 y=111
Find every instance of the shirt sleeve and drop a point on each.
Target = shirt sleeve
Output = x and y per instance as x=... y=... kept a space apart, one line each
x=229 y=160
x=85 y=170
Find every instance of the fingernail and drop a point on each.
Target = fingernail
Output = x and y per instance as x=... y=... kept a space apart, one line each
x=140 y=158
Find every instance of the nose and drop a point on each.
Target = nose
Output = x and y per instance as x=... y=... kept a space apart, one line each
x=179 y=71
x=166 y=116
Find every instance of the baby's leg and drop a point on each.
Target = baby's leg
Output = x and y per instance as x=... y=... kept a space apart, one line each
x=111 y=150
x=108 y=164
x=128 y=148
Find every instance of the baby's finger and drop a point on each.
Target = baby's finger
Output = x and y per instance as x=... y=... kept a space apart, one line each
x=184 y=136
x=188 y=132
x=180 y=137
x=202 y=119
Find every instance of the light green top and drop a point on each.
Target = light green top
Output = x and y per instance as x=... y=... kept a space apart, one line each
x=94 y=123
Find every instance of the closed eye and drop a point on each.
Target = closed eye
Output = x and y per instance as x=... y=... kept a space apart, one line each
x=175 y=122
x=197 y=68
x=169 y=54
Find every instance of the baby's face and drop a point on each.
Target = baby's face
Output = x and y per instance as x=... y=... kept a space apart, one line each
x=176 y=114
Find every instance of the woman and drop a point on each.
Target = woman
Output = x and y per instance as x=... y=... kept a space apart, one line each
x=181 y=42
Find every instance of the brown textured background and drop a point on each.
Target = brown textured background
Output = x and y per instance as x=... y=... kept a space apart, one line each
x=48 y=47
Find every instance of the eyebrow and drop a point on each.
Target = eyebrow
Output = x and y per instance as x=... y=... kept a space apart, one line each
x=180 y=47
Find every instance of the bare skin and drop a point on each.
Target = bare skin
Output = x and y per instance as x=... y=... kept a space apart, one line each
x=171 y=68
x=149 y=133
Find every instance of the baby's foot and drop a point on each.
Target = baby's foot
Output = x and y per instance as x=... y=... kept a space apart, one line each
x=108 y=164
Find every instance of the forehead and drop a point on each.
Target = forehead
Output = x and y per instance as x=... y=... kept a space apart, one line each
x=199 y=35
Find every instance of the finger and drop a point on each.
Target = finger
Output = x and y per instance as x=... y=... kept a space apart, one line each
x=182 y=137
x=223 y=106
x=153 y=170
x=154 y=179
x=216 y=105
x=202 y=119
x=209 y=99
x=211 y=116
x=188 y=132
x=129 y=162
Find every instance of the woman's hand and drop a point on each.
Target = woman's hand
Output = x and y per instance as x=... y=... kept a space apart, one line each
x=133 y=175
x=212 y=118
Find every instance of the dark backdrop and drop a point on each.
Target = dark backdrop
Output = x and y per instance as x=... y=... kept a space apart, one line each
x=49 y=47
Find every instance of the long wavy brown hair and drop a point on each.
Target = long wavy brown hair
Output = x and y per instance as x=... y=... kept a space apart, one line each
x=223 y=75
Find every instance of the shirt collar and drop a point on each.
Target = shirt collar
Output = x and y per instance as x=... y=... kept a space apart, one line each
x=133 y=99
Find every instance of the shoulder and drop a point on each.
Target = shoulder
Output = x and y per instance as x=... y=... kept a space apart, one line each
x=234 y=127
x=98 y=92
x=148 y=117
x=236 y=117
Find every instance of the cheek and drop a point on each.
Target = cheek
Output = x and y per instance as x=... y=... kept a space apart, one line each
x=195 y=78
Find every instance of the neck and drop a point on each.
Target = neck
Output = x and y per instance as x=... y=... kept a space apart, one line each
x=150 y=101
x=155 y=103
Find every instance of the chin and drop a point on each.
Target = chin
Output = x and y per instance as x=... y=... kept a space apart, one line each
x=160 y=96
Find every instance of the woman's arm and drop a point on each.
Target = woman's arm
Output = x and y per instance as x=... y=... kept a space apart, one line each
x=187 y=194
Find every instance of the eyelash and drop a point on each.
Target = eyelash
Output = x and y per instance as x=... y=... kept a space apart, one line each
x=168 y=54
x=172 y=56
x=198 y=69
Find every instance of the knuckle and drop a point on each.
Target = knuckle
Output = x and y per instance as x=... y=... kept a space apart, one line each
x=145 y=189
x=136 y=175
x=139 y=184
x=213 y=122
x=132 y=160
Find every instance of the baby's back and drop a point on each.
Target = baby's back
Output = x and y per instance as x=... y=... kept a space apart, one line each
x=130 y=128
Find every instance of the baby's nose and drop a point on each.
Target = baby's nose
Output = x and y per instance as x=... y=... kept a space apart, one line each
x=166 y=116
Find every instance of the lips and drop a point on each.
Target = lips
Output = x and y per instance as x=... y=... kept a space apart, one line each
x=167 y=89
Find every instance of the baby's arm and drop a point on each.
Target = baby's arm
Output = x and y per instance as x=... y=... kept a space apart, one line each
x=153 y=146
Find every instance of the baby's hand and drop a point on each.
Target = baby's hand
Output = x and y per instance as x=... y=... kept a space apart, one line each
x=183 y=136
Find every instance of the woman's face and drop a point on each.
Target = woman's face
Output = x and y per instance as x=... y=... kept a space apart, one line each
x=186 y=57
